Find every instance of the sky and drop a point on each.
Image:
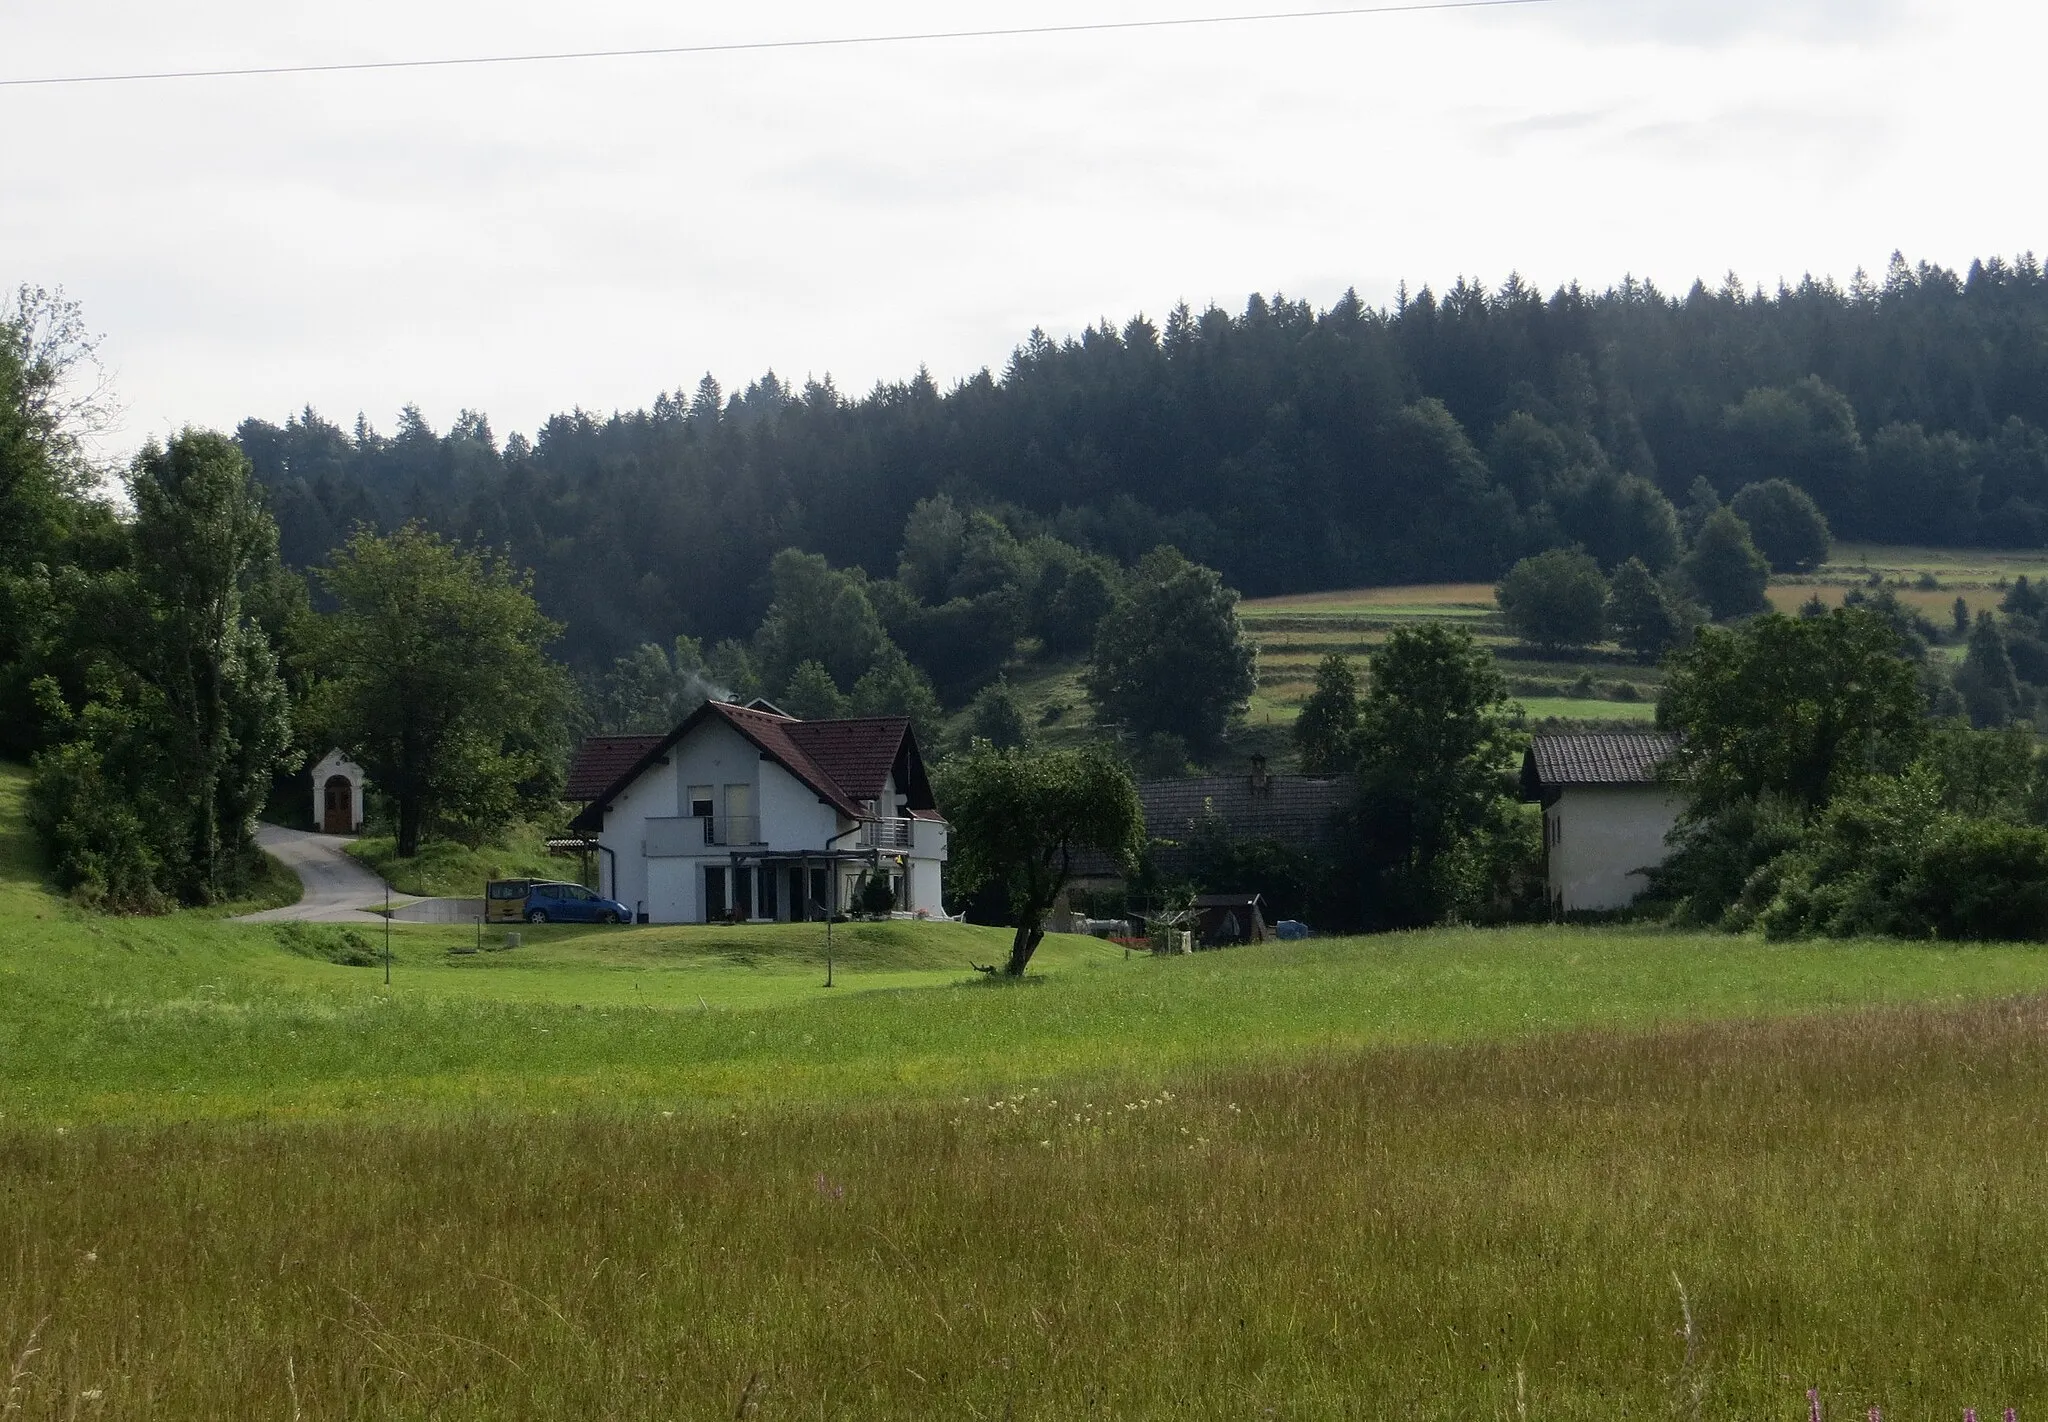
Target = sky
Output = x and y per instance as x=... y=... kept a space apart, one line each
x=526 y=239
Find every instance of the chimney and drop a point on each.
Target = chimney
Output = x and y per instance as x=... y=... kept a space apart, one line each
x=1260 y=780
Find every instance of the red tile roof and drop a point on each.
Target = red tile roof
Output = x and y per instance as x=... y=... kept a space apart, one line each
x=602 y=759
x=845 y=762
x=776 y=735
x=857 y=755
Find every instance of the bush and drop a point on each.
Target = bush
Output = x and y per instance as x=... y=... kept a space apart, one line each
x=1981 y=879
x=876 y=898
x=1718 y=866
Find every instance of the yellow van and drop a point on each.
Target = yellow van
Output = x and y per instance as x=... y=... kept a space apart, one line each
x=505 y=900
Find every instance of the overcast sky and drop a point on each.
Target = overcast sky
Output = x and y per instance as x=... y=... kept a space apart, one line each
x=524 y=239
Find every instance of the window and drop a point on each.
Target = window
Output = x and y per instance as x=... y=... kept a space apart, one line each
x=714 y=894
x=767 y=898
x=700 y=800
x=821 y=890
x=743 y=892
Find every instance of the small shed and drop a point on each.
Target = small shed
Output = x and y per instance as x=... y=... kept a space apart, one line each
x=337 y=794
x=1226 y=920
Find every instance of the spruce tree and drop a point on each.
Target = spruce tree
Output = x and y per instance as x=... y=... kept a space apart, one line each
x=1986 y=681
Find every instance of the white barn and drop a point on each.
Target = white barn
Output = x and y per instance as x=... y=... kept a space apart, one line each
x=746 y=812
x=1607 y=807
x=337 y=794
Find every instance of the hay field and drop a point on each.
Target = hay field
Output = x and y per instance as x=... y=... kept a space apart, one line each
x=664 y=1172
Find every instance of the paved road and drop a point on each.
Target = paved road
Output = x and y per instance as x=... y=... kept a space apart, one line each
x=338 y=888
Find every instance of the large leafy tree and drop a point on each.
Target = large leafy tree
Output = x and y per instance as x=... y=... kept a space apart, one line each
x=818 y=615
x=55 y=539
x=1791 y=707
x=432 y=671
x=1556 y=599
x=1020 y=817
x=1329 y=718
x=1436 y=748
x=1788 y=527
x=202 y=536
x=1645 y=617
x=1171 y=657
x=152 y=793
x=1725 y=569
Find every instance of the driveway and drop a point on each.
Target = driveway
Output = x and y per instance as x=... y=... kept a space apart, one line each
x=338 y=888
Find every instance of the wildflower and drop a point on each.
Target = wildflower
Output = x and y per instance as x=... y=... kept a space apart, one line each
x=1813 y=1404
x=827 y=1190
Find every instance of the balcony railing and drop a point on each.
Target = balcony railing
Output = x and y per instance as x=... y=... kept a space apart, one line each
x=885 y=834
x=731 y=829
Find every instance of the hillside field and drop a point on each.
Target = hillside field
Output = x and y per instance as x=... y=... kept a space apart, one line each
x=665 y=1172
x=1604 y=685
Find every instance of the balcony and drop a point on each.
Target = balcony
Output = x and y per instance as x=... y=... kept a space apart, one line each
x=885 y=834
x=731 y=829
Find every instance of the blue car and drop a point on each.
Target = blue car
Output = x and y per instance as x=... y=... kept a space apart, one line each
x=572 y=903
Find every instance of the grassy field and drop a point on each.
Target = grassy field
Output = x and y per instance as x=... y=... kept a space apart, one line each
x=1602 y=685
x=664 y=1172
x=445 y=869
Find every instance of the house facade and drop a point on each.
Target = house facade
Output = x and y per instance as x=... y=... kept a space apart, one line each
x=1608 y=805
x=744 y=812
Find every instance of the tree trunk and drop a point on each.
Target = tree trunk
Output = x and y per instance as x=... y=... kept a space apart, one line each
x=408 y=826
x=1029 y=936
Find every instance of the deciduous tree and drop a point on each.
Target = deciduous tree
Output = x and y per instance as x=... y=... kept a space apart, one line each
x=1171 y=657
x=1556 y=600
x=1725 y=569
x=1329 y=718
x=1020 y=817
x=1785 y=523
x=1791 y=707
x=1436 y=746
x=432 y=671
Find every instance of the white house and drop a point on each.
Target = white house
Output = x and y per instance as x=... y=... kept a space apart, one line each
x=745 y=812
x=337 y=794
x=1607 y=807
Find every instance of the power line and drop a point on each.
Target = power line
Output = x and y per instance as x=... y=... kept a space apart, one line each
x=835 y=42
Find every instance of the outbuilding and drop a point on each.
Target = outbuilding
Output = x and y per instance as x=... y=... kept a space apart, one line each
x=337 y=794
x=1608 y=805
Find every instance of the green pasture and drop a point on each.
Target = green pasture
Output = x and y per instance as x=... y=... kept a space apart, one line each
x=666 y=1172
x=188 y=1017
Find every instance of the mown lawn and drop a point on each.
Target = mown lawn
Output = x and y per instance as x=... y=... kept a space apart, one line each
x=665 y=1172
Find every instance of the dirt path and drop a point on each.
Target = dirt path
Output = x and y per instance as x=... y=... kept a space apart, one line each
x=338 y=888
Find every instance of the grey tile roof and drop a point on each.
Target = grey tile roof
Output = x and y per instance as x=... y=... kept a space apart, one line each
x=1293 y=810
x=1556 y=762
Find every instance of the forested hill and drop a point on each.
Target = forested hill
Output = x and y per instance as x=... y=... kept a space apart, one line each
x=1292 y=449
